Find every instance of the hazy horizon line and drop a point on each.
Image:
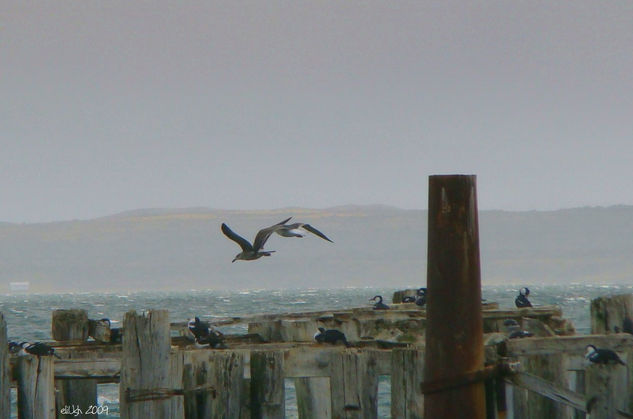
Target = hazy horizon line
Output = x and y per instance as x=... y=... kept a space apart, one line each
x=146 y=211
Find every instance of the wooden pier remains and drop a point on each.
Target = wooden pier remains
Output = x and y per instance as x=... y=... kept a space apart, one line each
x=163 y=375
x=473 y=369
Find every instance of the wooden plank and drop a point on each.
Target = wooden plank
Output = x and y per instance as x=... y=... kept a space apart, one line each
x=552 y=368
x=212 y=381
x=316 y=360
x=488 y=312
x=73 y=325
x=407 y=399
x=313 y=397
x=545 y=388
x=87 y=368
x=567 y=344
x=354 y=385
x=36 y=387
x=146 y=387
x=5 y=367
x=267 y=385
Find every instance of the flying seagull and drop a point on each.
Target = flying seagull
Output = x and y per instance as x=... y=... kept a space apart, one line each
x=252 y=251
x=293 y=230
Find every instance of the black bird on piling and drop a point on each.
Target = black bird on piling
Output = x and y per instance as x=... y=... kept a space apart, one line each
x=204 y=334
x=522 y=301
x=379 y=305
x=602 y=356
x=514 y=330
x=39 y=349
x=331 y=336
x=293 y=230
x=253 y=251
x=420 y=298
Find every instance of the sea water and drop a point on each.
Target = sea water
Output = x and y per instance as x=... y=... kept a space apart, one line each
x=28 y=316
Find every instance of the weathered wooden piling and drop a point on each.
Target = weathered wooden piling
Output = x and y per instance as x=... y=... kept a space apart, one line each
x=72 y=326
x=313 y=397
x=5 y=378
x=611 y=314
x=147 y=378
x=213 y=384
x=454 y=303
x=606 y=390
x=354 y=383
x=36 y=387
x=267 y=385
x=407 y=373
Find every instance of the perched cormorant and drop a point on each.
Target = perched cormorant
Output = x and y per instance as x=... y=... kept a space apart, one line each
x=331 y=336
x=204 y=334
x=521 y=301
x=39 y=349
x=252 y=251
x=602 y=356
x=379 y=305
x=419 y=298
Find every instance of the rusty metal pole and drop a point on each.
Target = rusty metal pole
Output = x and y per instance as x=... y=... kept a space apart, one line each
x=454 y=331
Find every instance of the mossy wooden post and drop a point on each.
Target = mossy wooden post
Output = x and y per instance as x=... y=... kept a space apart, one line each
x=612 y=313
x=407 y=373
x=606 y=390
x=72 y=325
x=454 y=327
x=312 y=397
x=213 y=386
x=354 y=385
x=267 y=385
x=5 y=378
x=36 y=387
x=147 y=384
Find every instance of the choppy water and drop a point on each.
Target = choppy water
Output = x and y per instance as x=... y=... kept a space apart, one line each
x=29 y=315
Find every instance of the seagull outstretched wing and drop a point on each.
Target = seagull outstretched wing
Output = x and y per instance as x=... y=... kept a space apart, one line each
x=244 y=244
x=315 y=231
x=264 y=234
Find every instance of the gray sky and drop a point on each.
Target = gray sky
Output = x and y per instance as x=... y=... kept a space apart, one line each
x=115 y=105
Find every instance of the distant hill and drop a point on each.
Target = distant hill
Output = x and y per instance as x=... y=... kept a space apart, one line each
x=152 y=249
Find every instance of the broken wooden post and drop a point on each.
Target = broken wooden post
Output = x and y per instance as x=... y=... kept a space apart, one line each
x=147 y=385
x=5 y=378
x=212 y=383
x=354 y=385
x=267 y=385
x=454 y=333
x=100 y=330
x=312 y=397
x=612 y=314
x=407 y=373
x=72 y=325
x=36 y=387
